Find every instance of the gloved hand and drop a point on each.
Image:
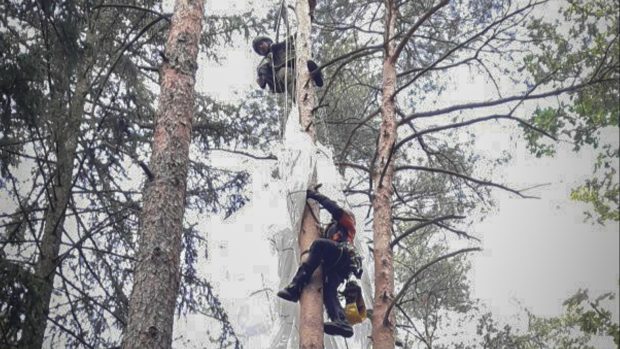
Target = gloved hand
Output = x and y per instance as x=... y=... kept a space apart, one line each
x=312 y=193
x=352 y=291
x=261 y=82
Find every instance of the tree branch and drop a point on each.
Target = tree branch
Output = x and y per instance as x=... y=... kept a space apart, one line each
x=257 y=157
x=462 y=44
x=465 y=177
x=420 y=226
x=352 y=165
x=165 y=16
x=415 y=27
x=401 y=293
x=524 y=96
x=471 y=122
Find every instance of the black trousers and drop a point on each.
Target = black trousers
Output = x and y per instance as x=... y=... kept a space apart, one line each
x=336 y=265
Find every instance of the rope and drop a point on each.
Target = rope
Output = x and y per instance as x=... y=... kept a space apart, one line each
x=282 y=14
x=277 y=28
x=286 y=58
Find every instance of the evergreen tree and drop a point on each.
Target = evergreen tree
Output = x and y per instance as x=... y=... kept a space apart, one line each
x=77 y=95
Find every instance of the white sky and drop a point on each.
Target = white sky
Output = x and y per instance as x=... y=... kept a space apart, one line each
x=536 y=252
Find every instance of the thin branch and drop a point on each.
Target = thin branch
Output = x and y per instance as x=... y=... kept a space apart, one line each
x=73 y=334
x=405 y=287
x=166 y=16
x=524 y=96
x=471 y=122
x=257 y=157
x=354 y=130
x=465 y=177
x=415 y=27
x=352 y=165
x=464 y=43
x=460 y=233
x=420 y=226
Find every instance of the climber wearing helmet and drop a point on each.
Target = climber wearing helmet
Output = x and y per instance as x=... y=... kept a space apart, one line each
x=277 y=69
x=335 y=252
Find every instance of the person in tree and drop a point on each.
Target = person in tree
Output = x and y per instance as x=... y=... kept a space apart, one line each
x=335 y=252
x=277 y=68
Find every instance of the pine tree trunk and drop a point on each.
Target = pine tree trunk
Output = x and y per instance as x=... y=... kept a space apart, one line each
x=66 y=131
x=383 y=173
x=311 y=302
x=157 y=270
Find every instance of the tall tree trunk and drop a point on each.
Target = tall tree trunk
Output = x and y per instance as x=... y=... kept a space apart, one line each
x=66 y=131
x=157 y=270
x=311 y=302
x=382 y=176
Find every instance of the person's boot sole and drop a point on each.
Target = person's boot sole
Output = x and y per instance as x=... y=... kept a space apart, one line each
x=287 y=296
x=333 y=329
x=316 y=74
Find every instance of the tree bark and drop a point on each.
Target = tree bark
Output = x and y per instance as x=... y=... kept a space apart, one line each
x=382 y=176
x=311 y=301
x=66 y=131
x=157 y=270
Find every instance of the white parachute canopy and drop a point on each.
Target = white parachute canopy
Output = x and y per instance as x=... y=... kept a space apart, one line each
x=255 y=253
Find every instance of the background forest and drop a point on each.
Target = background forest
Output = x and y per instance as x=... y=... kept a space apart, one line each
x=504 y=115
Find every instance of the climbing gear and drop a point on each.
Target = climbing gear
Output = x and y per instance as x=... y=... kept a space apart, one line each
x=355 y=309
x=338 y=328
x=352 y=312
x=292 y=292
x=257 y=41
x=355 y=258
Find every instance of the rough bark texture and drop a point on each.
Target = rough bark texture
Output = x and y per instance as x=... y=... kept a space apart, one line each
x=311 y=302
x=157 y=270
x=66 y=130
x=383 y=173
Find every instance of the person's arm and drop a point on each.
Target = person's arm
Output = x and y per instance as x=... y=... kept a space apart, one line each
x=260 y=78
x=265 y=74
x=330 y=205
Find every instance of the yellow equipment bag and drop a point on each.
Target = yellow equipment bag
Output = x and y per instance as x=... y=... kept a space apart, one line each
x=355 y=308
x=353 y=314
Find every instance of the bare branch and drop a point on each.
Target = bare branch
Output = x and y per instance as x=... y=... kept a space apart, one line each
x=524 y=96
x=471 y=122
x=257 y=157
x=420 y=226
x=465 y=177
x=415 y=275
x=352 y=165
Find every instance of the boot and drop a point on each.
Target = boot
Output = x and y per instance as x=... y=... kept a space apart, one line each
x=315 y=73
x=338 y=328
x=292 y=292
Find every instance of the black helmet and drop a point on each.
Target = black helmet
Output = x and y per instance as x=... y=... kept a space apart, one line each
x=258 y=41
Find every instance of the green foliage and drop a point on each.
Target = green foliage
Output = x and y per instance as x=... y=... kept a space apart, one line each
x=583 y=45
x=548 y=120
x=438 y=296
x=582 y=319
